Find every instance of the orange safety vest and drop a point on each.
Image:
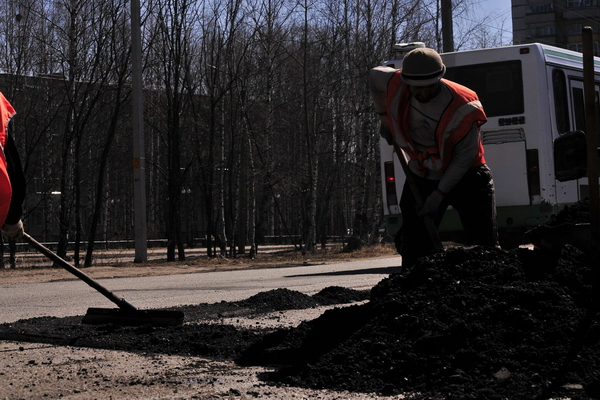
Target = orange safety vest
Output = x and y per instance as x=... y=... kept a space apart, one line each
x=464 y=110
x=6 y=113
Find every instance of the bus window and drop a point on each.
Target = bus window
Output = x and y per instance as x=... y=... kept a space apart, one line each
x=579 y=106
x=579 y=109
x=499 y=85
x=597 y=108
x=561 y=104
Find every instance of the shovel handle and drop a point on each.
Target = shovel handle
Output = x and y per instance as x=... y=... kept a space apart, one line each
x=429 y=224
x=122 y=303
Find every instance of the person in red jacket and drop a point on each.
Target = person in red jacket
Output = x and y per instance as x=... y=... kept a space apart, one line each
x=12 y=179
x=436 y=123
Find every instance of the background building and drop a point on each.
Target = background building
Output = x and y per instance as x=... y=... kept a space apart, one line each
x=555 y=22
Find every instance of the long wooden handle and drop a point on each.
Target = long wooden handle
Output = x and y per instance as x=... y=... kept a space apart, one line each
x=122 y=303
x=429 y=223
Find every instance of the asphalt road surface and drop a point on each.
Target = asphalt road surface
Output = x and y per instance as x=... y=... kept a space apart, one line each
x=71 y=298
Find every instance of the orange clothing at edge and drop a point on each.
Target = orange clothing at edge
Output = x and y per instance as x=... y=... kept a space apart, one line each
x=449 y=131
x=6 y=113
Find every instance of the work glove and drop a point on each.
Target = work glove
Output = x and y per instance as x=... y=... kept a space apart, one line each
x=432 y=203
x=13 y=231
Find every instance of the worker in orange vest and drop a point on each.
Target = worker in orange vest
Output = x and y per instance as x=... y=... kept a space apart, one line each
x=12 y=179
x=436 y=123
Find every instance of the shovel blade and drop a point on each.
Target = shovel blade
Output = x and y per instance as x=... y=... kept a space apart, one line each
x=117 y=316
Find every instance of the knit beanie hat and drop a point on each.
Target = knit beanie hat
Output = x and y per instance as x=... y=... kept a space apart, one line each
x=422 y=67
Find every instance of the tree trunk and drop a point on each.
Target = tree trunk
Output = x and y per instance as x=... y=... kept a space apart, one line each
x=221 y=231
x=313 y=162
x=100 y=190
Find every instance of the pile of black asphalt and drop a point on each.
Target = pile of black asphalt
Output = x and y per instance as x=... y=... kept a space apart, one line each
x=466 y=323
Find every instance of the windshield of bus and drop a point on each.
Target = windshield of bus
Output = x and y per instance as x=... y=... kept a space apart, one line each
x=499 y=85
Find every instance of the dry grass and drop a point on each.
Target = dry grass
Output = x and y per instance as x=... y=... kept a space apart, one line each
x=35 y=268
x=288 y=256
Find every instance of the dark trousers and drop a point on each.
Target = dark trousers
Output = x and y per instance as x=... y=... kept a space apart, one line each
x=474 y=200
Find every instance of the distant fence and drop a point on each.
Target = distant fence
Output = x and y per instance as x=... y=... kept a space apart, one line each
x=153 y=243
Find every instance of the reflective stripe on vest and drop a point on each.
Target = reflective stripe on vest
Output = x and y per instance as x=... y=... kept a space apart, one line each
x=456 y=121
x=6 y=113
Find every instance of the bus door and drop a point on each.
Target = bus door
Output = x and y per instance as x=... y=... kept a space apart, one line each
x=506 y=155
x=572 y=191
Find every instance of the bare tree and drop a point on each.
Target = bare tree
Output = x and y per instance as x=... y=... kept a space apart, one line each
x=272 y=20
x=259 y=122
x=173 y=34
x=117 y=60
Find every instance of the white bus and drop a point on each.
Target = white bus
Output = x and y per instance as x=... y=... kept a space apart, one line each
x=532 y=95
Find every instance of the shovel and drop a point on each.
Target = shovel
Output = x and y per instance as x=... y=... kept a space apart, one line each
x=429 y=223
x=126 y=314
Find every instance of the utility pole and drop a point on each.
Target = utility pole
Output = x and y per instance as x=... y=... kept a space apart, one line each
x=592 y=141
x=139 y=160
x=447 y=29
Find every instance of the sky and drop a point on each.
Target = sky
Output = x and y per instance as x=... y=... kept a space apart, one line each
x=498 y=11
